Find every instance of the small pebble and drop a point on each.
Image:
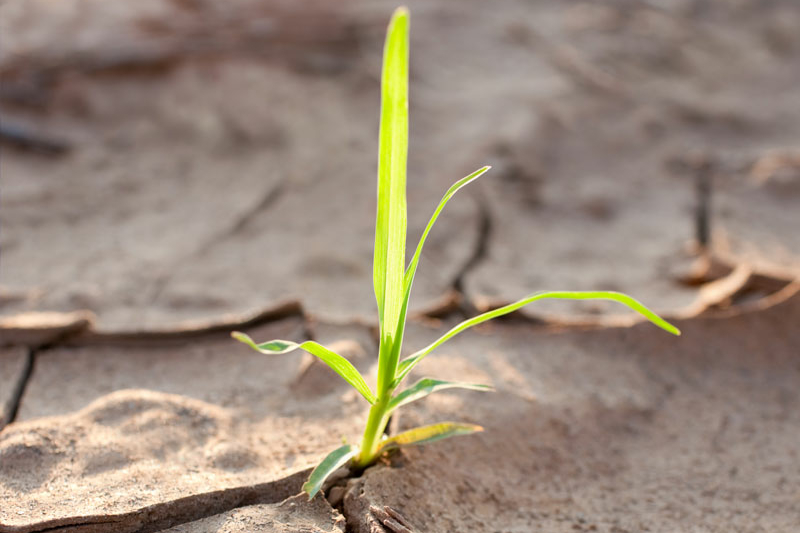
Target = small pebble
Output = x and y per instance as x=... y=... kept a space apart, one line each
x=336 y=495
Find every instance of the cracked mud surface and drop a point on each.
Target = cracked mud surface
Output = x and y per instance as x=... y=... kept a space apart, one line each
x=217 y=176
x=605 y=429
x=188 y=420
x=172 y=170
x=613 y=430
x=276 y=205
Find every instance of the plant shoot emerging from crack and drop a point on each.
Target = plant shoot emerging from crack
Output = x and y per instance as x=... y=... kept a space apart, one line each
x=393 y=279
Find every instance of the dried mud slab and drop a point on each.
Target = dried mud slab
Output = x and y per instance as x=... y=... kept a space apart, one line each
x=613 y=430
x=152 y=36
x=130 y=461
x=217 y=369
x=759 y=221
x=598 y=189
x=156 y=435
x=219 y=183
x=293 y=515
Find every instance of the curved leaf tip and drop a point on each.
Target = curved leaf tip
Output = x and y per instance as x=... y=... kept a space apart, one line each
x=427 y=386
x=276 y=346
x=338 y=363
x=332 y=462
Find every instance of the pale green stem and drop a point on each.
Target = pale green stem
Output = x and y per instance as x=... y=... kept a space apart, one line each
x=376 y=423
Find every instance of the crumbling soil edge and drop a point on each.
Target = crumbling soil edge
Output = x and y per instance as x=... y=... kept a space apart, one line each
x=183 y=332
x=168 y=514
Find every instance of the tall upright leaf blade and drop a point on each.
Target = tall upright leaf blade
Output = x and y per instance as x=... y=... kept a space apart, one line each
x=332 y=462
x=412 y=360
x=390 y=227
x=338 y=363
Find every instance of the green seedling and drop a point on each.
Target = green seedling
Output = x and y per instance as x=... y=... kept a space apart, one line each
x=393 y=280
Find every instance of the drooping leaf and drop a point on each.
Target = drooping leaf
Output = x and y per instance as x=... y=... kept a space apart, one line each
x=408 y=279
x=412 y=267
x=332 y=462
x=431 y=433
x=338 y=363
x=390 y=227
x=407 y=364
x=427 y=386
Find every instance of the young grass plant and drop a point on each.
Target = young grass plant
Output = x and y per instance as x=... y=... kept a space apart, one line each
x=393 y=281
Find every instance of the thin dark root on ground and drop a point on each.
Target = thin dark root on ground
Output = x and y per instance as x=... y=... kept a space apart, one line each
x=12 y=407
x=388 y=520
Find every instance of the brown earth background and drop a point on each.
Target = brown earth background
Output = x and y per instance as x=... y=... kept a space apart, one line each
x=175 y=169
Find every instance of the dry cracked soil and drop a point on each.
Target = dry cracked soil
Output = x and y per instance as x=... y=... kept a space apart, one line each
x=176 y=169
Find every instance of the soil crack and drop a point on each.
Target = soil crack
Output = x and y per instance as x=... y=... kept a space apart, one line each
x=479 y=253
x=268 y=199
x=12 y=407
x=189 y=331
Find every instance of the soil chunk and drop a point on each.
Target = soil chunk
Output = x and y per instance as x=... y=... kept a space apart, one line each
x=613 y=430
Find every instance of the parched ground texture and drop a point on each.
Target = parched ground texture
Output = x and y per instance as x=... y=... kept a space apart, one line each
x=175 y=169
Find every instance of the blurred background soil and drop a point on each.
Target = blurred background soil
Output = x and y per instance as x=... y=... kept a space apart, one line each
x=172 y=169
x=168 y=160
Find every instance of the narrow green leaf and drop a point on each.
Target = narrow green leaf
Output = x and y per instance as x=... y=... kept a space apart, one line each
x=339 y=364
x=407 y=364
x=425 y=434
x=390 y=227
x=332 y=462
x=393 y=148
x=412 y=267
x=427 y=386
x=411 y=271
